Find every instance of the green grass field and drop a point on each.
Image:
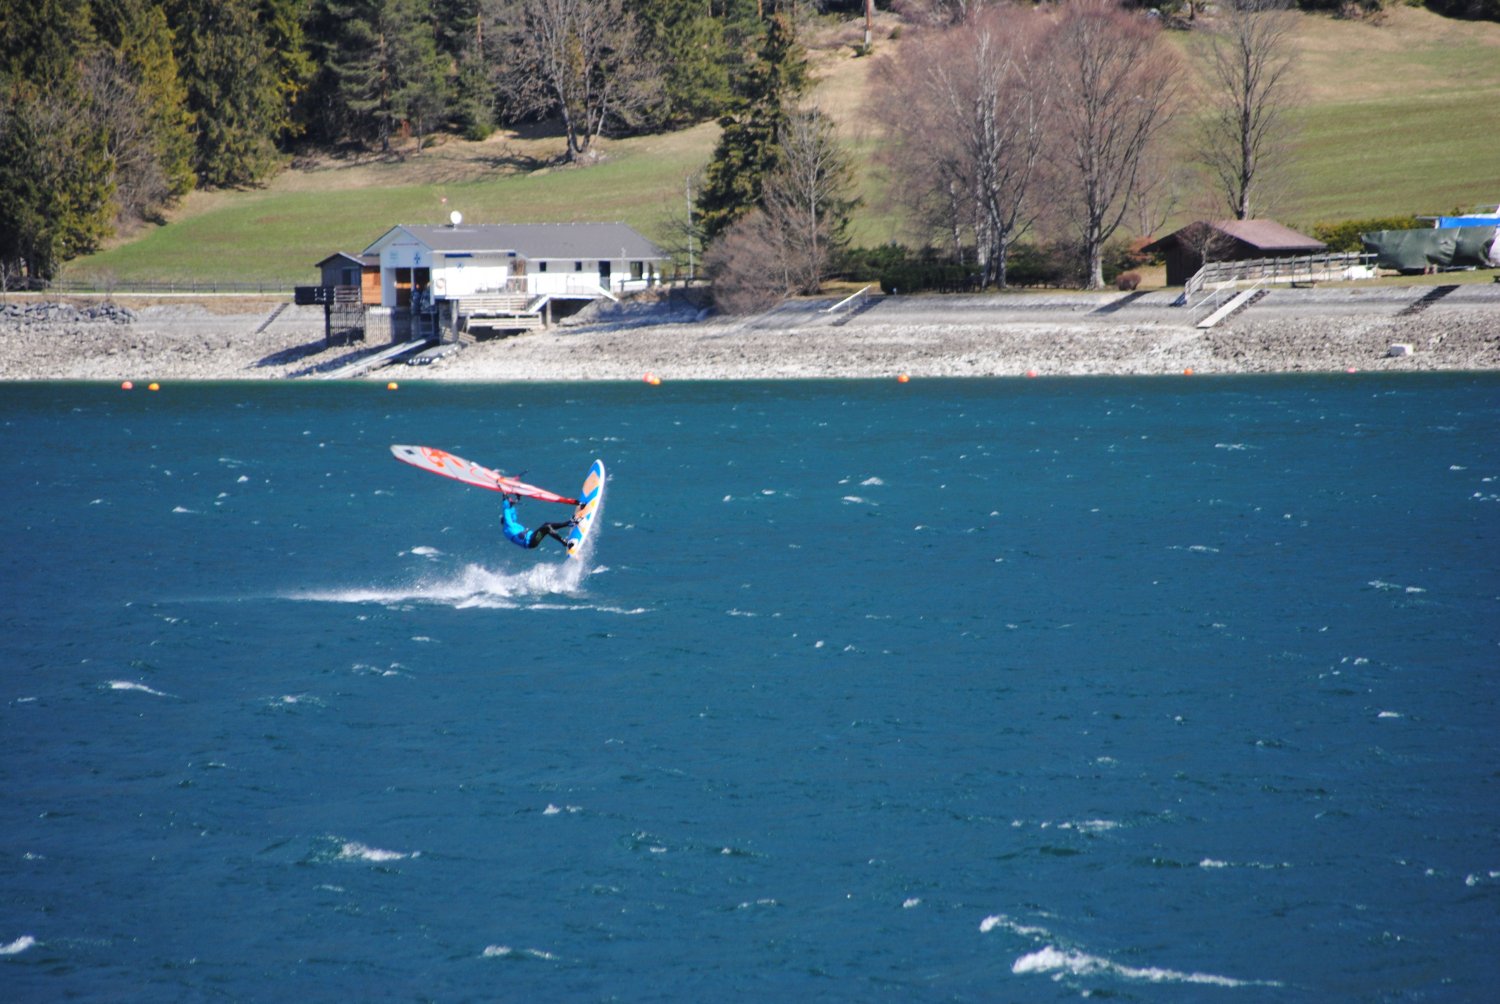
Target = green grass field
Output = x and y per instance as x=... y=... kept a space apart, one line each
x=1395 y=118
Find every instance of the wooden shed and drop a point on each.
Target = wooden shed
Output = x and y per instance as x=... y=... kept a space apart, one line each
x=1187 y=249
x=344 y=269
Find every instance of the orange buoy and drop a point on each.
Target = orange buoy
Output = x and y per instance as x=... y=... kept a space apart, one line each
x=153 y=386
x=127 y=385
x=392 y=385
x=903 y=378
x=1188 y=371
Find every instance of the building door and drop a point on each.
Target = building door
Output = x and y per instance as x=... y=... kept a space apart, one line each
x=604 y=275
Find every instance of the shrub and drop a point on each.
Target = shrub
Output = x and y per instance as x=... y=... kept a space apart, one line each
x=1344 y=234
x=1473 y=10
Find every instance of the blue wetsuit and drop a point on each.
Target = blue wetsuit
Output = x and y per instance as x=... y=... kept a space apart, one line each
x=515 y=531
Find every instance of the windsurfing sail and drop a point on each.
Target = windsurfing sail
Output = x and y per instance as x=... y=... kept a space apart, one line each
x=442 y=462
x=591 y=498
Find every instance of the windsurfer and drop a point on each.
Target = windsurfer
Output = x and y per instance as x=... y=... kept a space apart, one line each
x=517 y=533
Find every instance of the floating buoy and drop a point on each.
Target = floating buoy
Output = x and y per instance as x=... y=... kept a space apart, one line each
x=392 y=385
x=903 y=378
x=1351 y=369
x=1030 y=374
x=153 y=386
x=648 y=377
x=1188 y=371
x=127 y=385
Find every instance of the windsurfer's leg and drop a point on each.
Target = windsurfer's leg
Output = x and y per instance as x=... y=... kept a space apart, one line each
x=552 y=529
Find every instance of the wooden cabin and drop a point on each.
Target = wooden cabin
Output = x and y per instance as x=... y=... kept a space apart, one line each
x=344 y=269
x=1187 y=249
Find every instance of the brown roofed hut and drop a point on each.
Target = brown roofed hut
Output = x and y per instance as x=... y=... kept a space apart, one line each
x=1187 y=249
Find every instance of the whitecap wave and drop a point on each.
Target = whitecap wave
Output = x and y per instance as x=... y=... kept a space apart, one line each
x=1054 y=960
x=1062 y=962
x=472 y=586
x=506 y=952
x=18 y=946
x=139 y=687
x=354 y=851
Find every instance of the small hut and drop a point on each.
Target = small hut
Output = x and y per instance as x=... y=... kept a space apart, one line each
x=1231 y=240
x=344 y=269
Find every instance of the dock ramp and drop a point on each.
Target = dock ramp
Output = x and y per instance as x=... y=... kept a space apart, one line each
x=384 y=357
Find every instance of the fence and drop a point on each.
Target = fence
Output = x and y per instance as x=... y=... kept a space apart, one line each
x=1332 y=265
x=163 y=287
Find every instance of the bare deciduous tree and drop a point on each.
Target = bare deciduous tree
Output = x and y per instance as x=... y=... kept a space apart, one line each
x=967 y=122
x=579 y=59
x=1115 y=88
x=940 y=12
x=1249 y=73
x=785 y=244
x=806 y=199
x=747 y=266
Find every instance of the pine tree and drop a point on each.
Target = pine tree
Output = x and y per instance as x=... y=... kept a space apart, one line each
x=747 y=153
x=137 y=30
x=692 y=49
x=234 y=93
x=42 y=42
x=56 y=184
x=282 y=22
x=56 y=171
x=384 y=68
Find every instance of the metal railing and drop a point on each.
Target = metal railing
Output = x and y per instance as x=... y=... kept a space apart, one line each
x=1220 y=299
x=861 y=296
x=1324 y=267
x=164 y=287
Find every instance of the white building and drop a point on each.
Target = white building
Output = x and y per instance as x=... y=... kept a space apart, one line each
x=528 y=262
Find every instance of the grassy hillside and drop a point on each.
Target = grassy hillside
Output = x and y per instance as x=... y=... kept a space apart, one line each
x=1395 y=118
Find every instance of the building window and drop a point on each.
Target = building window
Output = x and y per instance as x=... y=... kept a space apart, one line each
x=637 y=270
x=578 y=266
x=541 y=266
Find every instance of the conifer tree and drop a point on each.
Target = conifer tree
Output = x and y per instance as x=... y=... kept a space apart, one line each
x=747 y=153
x=56 y=173
x=284 y=24
x=138 y=32
x=384 y=68
x=234 y=93
x=691 y=46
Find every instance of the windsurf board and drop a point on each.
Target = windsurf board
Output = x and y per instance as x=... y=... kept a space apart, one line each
x=590 y=499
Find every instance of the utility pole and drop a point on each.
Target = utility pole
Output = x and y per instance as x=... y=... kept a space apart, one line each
x=869 y=17
x=688 y=186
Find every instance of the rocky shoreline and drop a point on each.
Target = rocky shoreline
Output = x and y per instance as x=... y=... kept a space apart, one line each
x=1290 y=330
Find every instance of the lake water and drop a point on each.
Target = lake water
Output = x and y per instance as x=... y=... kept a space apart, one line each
x=1179 y=689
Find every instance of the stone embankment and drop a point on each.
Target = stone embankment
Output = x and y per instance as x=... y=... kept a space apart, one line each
x=1290 y=330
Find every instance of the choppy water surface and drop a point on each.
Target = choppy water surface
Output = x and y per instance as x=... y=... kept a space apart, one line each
x=1180 y=689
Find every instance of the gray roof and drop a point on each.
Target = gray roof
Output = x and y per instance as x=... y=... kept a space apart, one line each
x=539 y=240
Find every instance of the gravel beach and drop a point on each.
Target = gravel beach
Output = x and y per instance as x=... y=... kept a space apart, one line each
x=1289 y=330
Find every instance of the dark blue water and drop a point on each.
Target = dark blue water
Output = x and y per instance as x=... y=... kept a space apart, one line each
x=956 y=690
